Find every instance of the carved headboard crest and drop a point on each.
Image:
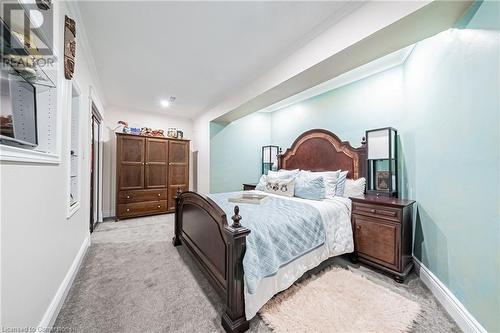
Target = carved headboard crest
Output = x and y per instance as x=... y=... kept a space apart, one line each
x=321 y=150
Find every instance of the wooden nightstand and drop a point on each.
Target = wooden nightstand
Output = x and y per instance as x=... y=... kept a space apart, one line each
x=249 y=187
x=382 y=231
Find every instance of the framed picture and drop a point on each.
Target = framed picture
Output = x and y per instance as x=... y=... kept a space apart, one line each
x=382 y=180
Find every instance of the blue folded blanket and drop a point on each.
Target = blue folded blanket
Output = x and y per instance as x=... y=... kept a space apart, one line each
x=281 y=231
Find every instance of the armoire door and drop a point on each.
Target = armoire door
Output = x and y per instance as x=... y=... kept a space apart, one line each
x=156 y=163
x=130 y=163
x=178 y=169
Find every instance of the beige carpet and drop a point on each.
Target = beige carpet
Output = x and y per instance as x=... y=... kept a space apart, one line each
x=338 y=300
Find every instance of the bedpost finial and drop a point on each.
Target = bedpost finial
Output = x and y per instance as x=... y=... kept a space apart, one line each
x=363 y=141
x=178 y=193
x=236 y=217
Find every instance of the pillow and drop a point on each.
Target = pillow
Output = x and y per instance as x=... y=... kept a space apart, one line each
x=354 y=188
x=330 y=179
x=339 y=191
x=284 y=186
x=261 y=186
x=282 y=173
x=309 y=186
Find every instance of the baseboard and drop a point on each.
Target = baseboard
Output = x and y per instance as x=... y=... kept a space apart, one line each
x=50 y=315
x=464 y=319
x=107 y=214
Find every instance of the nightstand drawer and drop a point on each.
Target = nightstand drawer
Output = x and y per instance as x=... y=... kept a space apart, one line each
x=377 y=211
x=377 y=240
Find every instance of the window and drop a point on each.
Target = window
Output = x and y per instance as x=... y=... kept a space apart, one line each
x=47 y=149
x=74 y=151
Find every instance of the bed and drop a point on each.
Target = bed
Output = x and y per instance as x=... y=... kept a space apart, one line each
x=219 y=245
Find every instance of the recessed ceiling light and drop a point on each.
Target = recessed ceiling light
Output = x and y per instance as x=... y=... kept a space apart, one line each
x=166 y=103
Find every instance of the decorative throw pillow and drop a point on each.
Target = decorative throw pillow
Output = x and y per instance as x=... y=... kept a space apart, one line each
x=339 y=191
x=282 y=173
x=309 y=186
x=261 y=186
x=280 y=186
x=354 y=188
x=330 y=178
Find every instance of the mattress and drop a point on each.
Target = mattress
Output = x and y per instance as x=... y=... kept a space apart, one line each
x=336 y=217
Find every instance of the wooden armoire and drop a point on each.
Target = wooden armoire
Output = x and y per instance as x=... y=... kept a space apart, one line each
x=149 y=170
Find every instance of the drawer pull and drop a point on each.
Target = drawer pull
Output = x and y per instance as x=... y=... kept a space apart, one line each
x=358 y=227
x=128 y=196
x=159 y=206
x=128 y=209
x=372 y=210
x=159 y=194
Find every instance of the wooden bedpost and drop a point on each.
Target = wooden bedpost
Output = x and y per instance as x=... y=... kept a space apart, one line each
x=178 y=215
x=233 y=319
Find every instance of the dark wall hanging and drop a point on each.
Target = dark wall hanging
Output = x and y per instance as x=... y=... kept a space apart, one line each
x=69 y=47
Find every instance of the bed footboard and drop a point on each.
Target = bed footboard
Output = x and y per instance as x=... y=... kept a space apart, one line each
x=201 y=226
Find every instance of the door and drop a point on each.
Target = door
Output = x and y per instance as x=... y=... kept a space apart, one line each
x=377 y=240
x=130 y=166
x=178 y=169
x=156 y=163
x=95 y=169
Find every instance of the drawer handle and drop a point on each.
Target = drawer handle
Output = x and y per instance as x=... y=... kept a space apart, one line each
x=372 y=210
x=128 y=209
x=128 y=196
x=159 y=206
x=170 y=163
x=358 y=227
x=159 y=194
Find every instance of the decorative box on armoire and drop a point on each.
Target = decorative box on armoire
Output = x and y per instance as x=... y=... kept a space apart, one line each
x=149 y=170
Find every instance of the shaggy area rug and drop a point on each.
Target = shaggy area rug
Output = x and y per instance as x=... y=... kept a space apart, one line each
x=338 y=300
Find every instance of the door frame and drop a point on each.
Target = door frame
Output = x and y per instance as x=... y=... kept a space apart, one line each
x=95 y=110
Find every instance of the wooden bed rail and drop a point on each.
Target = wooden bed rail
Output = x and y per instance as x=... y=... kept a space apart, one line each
x=201 y=226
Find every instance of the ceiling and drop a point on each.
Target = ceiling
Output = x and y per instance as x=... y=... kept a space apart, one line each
x=199 y=52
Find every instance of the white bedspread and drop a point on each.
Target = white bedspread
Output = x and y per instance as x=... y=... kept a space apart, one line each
x=336 y=214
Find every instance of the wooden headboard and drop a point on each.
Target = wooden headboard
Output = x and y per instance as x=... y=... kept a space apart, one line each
x=321 y=150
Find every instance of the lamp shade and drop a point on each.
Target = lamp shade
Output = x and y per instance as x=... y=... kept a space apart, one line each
x=378 y=144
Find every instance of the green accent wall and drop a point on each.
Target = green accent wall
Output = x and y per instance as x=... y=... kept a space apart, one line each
x=444 y=101
x=235 y=151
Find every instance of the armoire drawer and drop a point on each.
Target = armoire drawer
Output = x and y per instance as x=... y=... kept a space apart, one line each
x=141 y=208
x=141 y=195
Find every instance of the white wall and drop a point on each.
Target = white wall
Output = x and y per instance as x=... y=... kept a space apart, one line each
x=373 y=15
x=135 y=118
x=38 y=242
